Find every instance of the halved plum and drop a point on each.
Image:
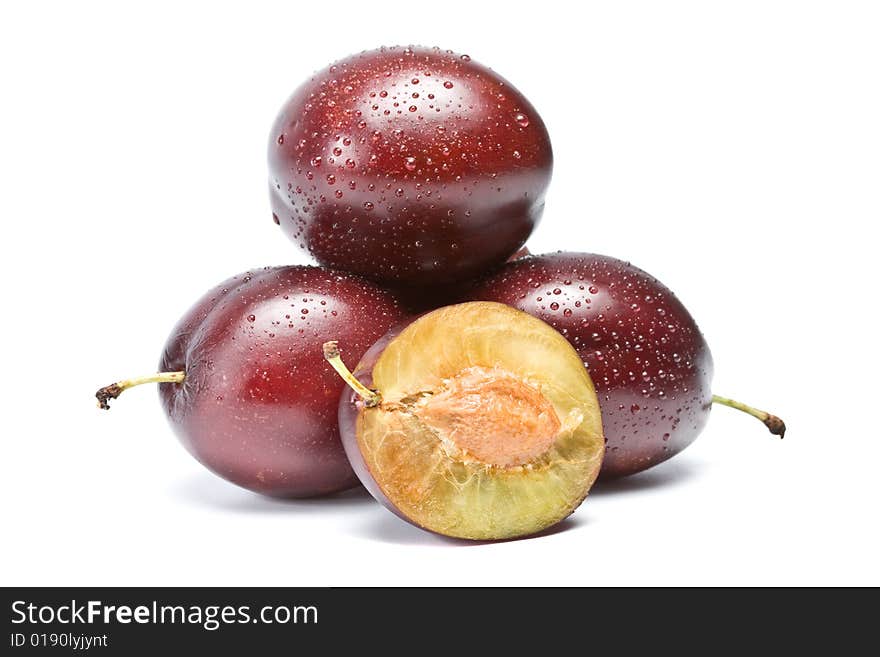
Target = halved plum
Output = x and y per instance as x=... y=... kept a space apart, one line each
x=475 y=421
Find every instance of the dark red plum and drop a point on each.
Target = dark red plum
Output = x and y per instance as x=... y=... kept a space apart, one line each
x=648 y=360
x=244 y=383
x=412 y=166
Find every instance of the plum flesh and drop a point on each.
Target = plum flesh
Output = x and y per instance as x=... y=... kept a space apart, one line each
x=483 y=423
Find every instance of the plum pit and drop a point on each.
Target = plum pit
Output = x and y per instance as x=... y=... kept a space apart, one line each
x=489 y=416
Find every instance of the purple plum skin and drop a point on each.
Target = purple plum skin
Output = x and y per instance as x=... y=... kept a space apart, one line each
x=410 y=166
x=349 y=408
x=259 y=403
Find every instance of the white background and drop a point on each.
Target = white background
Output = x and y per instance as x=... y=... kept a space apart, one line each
x=730 y=148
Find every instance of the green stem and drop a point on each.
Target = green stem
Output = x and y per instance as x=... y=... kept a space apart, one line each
x=113 y=391
x=775 y=424
x=332 y=355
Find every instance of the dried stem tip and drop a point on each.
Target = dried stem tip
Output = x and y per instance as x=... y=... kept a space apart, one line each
x=331 y=350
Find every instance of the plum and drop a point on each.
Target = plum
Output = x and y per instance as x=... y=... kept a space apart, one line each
x=244 y=384
x=475 y=421
x=651 y=365
x=411 y=166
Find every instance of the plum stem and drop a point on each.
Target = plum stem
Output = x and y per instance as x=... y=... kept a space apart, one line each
x=333 y=356
x=775 y=424
x=112 y=391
